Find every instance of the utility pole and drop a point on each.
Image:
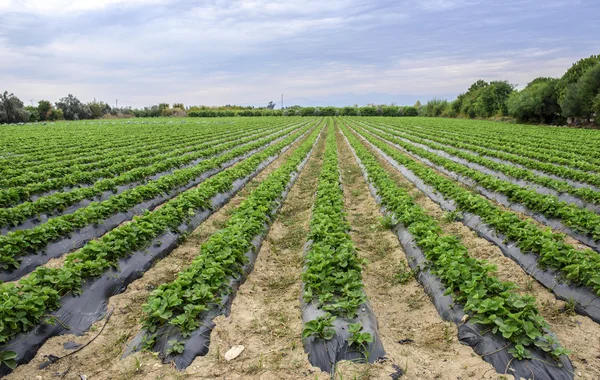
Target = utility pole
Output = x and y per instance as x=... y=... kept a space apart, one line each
x=281 y=101
x=116 y=103
x=31 y=100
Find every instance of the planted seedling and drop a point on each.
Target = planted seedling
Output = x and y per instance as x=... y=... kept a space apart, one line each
x=175 y=347
x=321 y=327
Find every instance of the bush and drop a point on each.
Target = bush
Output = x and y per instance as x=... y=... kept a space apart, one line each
x=34 y=115
x=329 y=111
x=56 y=114
x=368 y=111
x=434 y=108
x=99 y=109
x=390 y=110
x=349 y=111
x=307 y=111
x=411 y=111
x=537 y=102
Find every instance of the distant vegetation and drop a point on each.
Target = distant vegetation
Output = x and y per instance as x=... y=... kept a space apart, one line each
x=574 y=98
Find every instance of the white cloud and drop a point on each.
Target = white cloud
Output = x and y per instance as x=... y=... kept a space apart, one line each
x=44 y=6
x=216 y=52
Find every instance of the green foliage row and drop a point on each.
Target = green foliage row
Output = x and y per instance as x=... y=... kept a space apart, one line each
x=27 y=302
x=574 y=166
x=471 y=282
x=581 y=267
x=114 y=162
x=470 y=143
x=222 y=257
x=332 y=276
x=34 y=240
x=579 y=219
x=123 y=172
x=61 y=200
x=583 y=193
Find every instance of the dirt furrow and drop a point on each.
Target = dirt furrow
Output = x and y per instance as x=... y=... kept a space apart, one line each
x=418 y=342
x=265 y=315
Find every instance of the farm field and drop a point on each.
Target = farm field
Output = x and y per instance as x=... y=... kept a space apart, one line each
x=328 y=247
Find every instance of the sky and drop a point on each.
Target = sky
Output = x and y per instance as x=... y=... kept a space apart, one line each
x=315 y=52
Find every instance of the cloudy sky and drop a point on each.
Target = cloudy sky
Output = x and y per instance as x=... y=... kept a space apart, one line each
x=318 y=52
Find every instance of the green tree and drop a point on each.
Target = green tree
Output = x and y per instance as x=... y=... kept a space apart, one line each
x=44 y=109
x=434 y=108
x=99 y=109
x=73 y=108
x=537 y=102
x=575 y=72
x=368 y=111
x=411 y=111
x=12 y=109
x=328 y=111
x=390 y=110
x=307 y=111
x=33 y=114
x=56 y=114
x=580 y=99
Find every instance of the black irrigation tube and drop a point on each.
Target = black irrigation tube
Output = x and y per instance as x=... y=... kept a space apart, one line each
x=502 y=199
x=198 y=342
x=565 y=197
x=491 y=347
x=587 y=302
x=80 y=237
x=571 y=182
x=77 y=313
x=43 y=218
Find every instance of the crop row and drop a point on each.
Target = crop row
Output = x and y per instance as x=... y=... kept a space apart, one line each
x=581 y=267
x=118 y=142
x=222 y=257
x=25 y=303
x=586 y=194
x=332 y=275
x=577 y=218
x=15 y=195
x=554 y=154
x=33 y=241
x=464 y=143
x=576 y=143
x=85 y=145
x=471 y=282
x=60 y=201
x=118 y=161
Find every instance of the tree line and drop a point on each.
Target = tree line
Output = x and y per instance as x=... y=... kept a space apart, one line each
x=572 y=98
